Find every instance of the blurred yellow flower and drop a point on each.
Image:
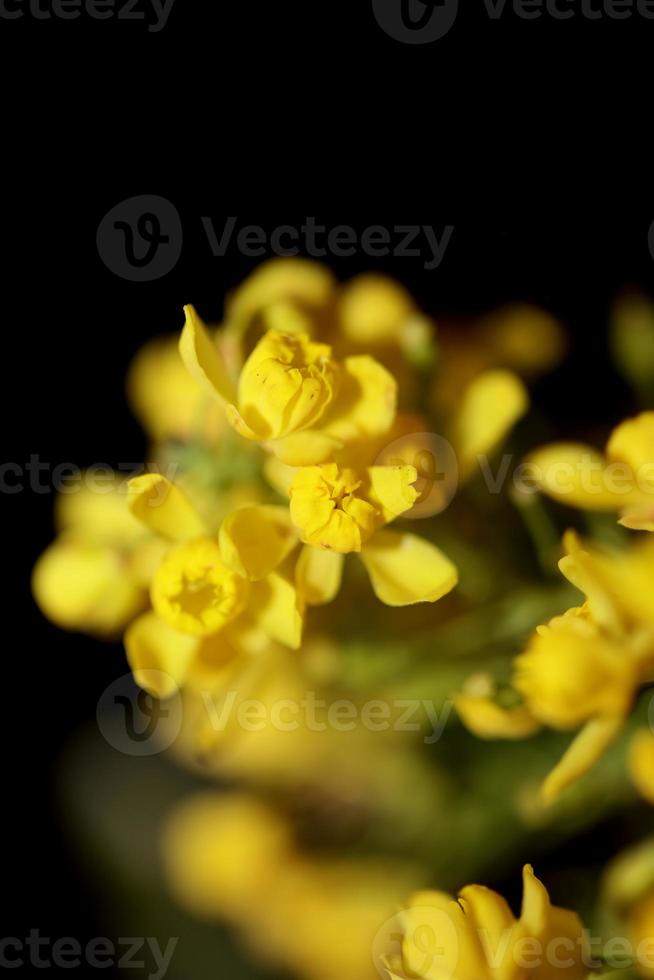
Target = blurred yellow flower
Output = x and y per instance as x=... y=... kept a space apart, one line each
x=168 y=402
x=583 y=668
x=94 y=577
x=231 y=857
x=476 y=937
x=640 y=761
x=621 y=480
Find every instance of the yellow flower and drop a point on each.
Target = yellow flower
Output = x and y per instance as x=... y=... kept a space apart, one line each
x=621 y=480
x=168 y=402
x=476 y=937
x=94 y=577
x=337 y=511
x=641 y=763
x=208 y=593
x=583 y=668
x=292 y=395
x=230 y=857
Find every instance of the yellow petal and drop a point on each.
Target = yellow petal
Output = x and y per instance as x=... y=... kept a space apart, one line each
x=98 y=510
x=202 y=358
x=366 y=401
x=494 y=922
x=163 y=508
x=255 y=539
x=633 y=443
x=405 y=569
x=276 y=608
x=373 y=310
x=640 y=762
x=486 y=719
x=305 y=448
x=168 y=402
x=297 y=280
x=81 y=585
x=536 y=903
x=159 y=656
x=391 y=489
x=279 y=475
x=576 y=475
x=588 y=747
x=318 y=575
x=490 y=407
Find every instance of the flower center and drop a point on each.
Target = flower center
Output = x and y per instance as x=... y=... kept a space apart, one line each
x=194 y=591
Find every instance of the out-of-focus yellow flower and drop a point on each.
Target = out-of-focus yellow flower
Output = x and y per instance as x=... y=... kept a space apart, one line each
x=168 y=402
x=641 y=929
x=232 y=858
x=292 y=395
x=94 y=577
x=205 y=586
x=338 y=511
x=641 y=764
x=488 y=409
x=585 y=667
x=621 y=480
x=476 y=937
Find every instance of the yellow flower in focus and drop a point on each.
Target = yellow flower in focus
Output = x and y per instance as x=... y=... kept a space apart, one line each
x=207 y=593
x=641 y=764
x=621 y=480
x=477 y=937
x=292 y=396
x=94 y=577
x=338 y=511
x=584 y=668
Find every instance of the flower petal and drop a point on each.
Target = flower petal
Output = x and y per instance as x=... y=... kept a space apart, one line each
x=278 y=609
x=588 y=747
x=576 y=475
x=391 y=488
x=255 y=539
x=318 y=575
x=366 y=401
x=81 y=585
x=633 y=443
x=405 y=569
x=491 y=405
x=159 y=656
x=163 y=508
x=486 y=719
x=641 y=763
x=202 y=357
x=307 y=448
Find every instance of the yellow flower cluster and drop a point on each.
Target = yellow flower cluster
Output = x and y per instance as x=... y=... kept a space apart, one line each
x=584 y=668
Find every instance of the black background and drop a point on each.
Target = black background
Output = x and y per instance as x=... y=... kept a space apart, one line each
x=270 y=112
